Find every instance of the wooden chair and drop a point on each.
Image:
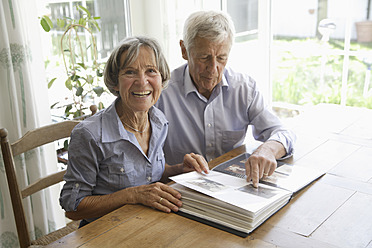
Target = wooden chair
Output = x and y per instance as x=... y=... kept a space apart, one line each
x=32 y=139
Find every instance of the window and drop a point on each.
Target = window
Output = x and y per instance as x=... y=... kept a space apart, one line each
x=299 y=52
x=115 y=25
x=114 y=20
x=317 y=56
x=244 y=14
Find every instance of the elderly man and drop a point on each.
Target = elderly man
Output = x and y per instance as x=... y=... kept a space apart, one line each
x=209 y=106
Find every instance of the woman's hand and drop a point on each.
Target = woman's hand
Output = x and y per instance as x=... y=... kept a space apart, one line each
x=158 y=196
x=191 y=162
x=164 y=197
x=195 y=162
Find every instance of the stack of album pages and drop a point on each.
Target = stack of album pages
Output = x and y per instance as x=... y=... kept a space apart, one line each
x=224 y=199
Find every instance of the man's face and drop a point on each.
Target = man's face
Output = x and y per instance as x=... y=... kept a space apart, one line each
x=206 y=60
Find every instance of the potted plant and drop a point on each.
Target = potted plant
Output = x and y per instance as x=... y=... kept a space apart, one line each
x=83 y=72
x=364 y=28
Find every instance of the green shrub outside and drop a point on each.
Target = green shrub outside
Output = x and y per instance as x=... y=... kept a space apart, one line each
x=297 y=70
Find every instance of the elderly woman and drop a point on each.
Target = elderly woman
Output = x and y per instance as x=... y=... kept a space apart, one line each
x=116 y=156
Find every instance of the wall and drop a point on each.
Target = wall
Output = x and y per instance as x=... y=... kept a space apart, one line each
x=147 y=19
x=299 y=18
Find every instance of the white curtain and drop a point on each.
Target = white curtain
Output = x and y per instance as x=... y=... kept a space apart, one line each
x=23 y=106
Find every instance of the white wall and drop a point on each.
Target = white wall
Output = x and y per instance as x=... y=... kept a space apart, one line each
x=163 y=20
x=146 y=18
x=294 y=18
x=299 y=18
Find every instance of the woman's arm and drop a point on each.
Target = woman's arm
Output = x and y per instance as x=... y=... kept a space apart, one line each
x=156 y=195
x=191 y=162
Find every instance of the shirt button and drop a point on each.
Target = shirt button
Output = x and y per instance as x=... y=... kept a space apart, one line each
x=209 y=125
x=210 y=145
x=122 y=170
x=76 y=185
x=149 y=179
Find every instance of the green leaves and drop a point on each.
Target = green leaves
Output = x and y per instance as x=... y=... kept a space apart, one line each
x=65 y=145
x=67 y=109
x=46 y=23
x=98 y=90
x=79 y=91
x=100 y=106
x=75 y=77
x=51 y=82
x=89 y=79
x=82 y=22
x=99 y=74
x=93 y=22
x=53 y=105
x=79 y=58
x=79 y=7
x=61 y=23
x=68 y=84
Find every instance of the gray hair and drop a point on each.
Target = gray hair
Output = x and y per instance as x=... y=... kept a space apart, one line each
x=132 y=45
x=215 y=26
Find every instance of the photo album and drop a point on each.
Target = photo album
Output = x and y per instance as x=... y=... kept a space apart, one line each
x=224 y=199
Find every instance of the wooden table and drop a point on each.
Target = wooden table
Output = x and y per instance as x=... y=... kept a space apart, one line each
x=334 y=211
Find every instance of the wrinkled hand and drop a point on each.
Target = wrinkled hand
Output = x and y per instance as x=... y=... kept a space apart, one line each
x=195 y=162
x=261 y=163
x=158 y=196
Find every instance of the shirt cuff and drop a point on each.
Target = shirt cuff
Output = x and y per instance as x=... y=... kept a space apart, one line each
x=287 y=139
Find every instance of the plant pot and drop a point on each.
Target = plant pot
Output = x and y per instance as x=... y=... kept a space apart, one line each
x=364 y=31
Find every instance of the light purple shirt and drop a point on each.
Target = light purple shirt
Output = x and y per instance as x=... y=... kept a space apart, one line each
x=104 y=157
x=214 y=126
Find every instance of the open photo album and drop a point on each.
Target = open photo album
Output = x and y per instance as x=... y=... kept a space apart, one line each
x=224 y=199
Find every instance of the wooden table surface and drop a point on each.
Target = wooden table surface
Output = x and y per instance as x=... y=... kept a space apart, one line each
x=334 y=211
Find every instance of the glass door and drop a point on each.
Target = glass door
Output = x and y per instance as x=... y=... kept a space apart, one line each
x=318 y=55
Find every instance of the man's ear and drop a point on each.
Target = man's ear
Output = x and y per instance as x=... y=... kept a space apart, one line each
x=183 y=50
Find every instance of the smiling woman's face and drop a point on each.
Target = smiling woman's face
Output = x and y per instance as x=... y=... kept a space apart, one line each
x=140 y=83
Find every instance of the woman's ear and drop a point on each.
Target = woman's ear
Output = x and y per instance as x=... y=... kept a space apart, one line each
x=183 y=50
x=116 y=88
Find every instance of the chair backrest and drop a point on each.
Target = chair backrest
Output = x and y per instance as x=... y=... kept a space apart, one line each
x=32 y=139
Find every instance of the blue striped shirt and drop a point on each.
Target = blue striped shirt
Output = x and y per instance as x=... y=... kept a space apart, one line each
x=104 y=157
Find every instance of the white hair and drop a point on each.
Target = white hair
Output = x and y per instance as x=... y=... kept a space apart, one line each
x=215 y=26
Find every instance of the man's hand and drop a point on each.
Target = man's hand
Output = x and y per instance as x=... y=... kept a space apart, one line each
x=262 y=162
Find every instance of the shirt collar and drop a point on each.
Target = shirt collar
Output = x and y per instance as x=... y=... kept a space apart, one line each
x=113 y=129
x=190 y=87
